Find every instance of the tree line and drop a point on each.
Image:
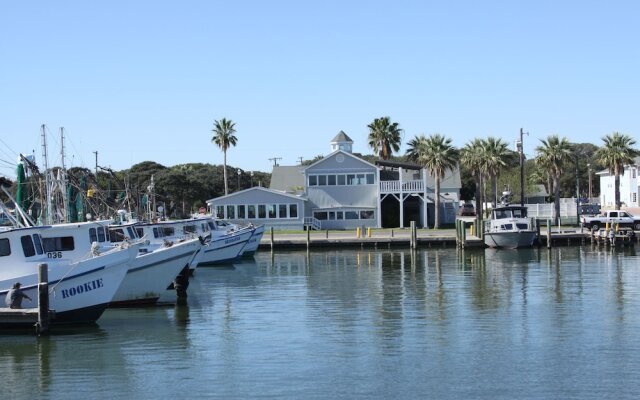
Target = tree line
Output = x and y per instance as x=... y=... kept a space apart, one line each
x=486 y=164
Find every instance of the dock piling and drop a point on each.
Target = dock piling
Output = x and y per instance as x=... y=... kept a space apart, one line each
x=42 y=326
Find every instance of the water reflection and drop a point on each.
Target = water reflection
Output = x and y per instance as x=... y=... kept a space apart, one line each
x=532 y=323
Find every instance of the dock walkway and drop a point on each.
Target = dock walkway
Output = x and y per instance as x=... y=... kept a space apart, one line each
x=399 y=238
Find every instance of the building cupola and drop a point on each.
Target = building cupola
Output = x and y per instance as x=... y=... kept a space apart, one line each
x=342 y=142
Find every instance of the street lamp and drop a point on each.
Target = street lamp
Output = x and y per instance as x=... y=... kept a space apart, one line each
x=239 y=172
x=251 y=178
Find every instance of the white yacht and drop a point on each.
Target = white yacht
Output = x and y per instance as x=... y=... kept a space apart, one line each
x=509 y=227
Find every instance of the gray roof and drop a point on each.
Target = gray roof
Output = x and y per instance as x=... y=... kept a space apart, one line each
x=341 y=137
x=287 y=179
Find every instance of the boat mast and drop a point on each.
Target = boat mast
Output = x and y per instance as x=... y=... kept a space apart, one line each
x=47 y=179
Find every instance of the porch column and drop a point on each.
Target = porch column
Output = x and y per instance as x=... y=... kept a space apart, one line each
x=379 y=209
x=401 y=199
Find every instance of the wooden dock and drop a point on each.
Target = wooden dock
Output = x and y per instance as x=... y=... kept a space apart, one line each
x=37 y=319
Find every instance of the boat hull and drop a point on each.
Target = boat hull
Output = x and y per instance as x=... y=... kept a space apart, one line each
x=510 y=239
x=150 y=274
x=79 y=292
x=224 y=248
x=252 y=244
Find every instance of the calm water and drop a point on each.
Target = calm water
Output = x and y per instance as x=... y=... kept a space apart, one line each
x=441 y=324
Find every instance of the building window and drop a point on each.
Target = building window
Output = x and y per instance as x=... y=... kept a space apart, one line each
x=241 y=213
x=272 y=211
x=293 y=211
x=350 y=215
x=370 y=179
x=251 y=211
x=635 y=197
x=341 y=180
x=262 y=211
x=351 y=179
x=339 y=215
x=220 y=212
x=322 y=180
x=313 y=180
x=321 y=215
x=231 y=212
x=368 y=214
x=282 y=211
x=331 y=180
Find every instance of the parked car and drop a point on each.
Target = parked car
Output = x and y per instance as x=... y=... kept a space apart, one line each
x=467 y=209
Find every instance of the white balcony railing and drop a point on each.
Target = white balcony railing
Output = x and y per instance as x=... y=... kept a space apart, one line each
x=401 y=186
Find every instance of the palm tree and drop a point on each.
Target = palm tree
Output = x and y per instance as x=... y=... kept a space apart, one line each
x=224 y=138
x=553 y=154
x=615 y=154
x=437 y=155
x=384 y=137
x=496 y=155
x=471 y=156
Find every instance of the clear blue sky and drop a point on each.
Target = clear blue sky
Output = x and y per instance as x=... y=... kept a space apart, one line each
x=145 y=80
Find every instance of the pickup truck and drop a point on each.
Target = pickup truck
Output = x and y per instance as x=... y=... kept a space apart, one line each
x=621 y=218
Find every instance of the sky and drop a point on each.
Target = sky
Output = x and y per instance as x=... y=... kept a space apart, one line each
x=145 y=80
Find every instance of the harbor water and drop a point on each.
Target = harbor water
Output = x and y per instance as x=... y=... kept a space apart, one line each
x=360 y=324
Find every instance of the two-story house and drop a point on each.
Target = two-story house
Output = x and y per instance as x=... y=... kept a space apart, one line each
x=343 y=191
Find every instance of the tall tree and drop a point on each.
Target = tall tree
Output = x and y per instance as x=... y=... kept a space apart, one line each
x=472 y=157
x=553 y=154
x=224 y=137
x=617 y=152
x=384 y=137
x=436 y=154
x=496 y=155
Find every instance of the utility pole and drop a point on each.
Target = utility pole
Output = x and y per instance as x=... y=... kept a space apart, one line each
x=577 y=191
x=300 y=159
x=521 y=151
x=96 y=153
x=275 y=160
x=589 y=170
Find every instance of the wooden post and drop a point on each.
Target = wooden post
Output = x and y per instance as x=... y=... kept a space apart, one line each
x=413 y=234
x=538 y=231
x=326 y=234
x=42 y=327
x=463 y=228
x=548 y=234
x=308 y=238
x=271 y=236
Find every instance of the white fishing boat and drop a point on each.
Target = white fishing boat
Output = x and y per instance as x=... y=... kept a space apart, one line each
x=155 y=268
x=509 y=227
x=81 y=282
x=252 y=244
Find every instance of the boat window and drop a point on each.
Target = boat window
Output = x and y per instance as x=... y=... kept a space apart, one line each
x=506 y=227
x=189 y=229
x=519 y=213
x=27 y=246
x=140 y=232
x=101 y=235
x=157 y=233
x=62 y=243
x=117 y=235
x=5 y=248
x=132 y=233
x=38 y=244
x=93 y=237
x=168 y=231
x=522 y=226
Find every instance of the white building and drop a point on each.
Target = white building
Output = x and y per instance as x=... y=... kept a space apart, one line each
x=628 y=187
